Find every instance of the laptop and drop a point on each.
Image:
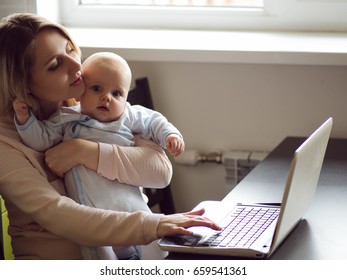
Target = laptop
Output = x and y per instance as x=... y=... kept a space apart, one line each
x=256 y=230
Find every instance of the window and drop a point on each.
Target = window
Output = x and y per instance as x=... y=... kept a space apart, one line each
x=302 y=15
x=184 y=3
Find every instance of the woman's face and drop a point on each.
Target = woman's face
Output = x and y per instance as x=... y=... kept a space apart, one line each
x=56 y=72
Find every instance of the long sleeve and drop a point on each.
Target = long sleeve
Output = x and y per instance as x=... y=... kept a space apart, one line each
x=150 y=124
x=40 y=136
x=39 y=210
x=144 y=165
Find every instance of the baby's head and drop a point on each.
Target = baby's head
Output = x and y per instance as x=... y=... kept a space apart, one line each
x=107 y=77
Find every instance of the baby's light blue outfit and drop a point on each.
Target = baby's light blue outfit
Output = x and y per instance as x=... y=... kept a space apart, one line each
x=85 y=185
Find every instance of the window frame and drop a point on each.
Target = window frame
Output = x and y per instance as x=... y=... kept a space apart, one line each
x=283 y=15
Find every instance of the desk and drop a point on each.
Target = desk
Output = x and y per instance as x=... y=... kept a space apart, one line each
x=322 y=233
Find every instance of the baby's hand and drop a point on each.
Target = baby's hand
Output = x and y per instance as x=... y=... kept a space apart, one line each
x=174 y=145
x=21 y=110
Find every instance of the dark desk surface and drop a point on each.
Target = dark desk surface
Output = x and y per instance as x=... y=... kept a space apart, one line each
x=323 y=231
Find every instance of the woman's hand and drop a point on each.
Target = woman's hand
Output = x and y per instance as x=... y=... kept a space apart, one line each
x=68 y=154
x=178 y=223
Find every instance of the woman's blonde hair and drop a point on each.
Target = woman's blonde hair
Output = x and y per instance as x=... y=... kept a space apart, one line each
x=18 y=34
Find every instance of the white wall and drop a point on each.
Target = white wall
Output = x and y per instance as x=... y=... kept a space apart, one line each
x=239 y=106
x=235 y=106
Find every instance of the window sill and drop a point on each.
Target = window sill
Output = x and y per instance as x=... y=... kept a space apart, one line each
x=298 y=48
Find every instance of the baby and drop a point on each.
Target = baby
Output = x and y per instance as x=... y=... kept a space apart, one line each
x=103 y=116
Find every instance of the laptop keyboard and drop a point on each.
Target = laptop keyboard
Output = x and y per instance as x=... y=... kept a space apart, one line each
x=243 y=227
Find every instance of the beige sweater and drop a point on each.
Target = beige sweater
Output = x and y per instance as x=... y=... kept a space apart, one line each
x=46 y=224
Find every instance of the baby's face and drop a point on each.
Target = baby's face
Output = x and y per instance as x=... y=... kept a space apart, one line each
x=106 y=92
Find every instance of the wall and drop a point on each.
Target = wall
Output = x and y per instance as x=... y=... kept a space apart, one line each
x=16 y=6
x=235 y=106
x=239 y=106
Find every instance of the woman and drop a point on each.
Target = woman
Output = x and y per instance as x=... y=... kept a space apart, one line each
x=40 y=64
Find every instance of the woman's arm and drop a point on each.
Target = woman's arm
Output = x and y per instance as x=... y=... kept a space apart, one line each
x=23 y=183
x=146 y=164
